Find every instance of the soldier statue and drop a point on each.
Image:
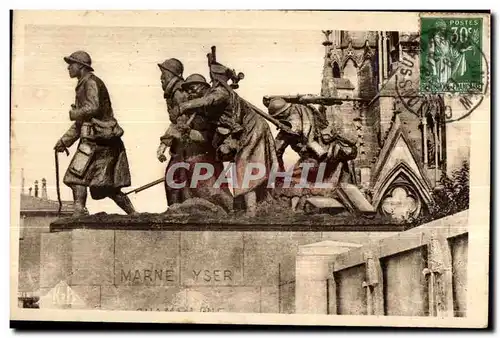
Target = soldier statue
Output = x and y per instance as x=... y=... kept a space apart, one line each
x=171 y=82
x=241 y=136
x=100 y=161
x=196 y=131
x=315 y=141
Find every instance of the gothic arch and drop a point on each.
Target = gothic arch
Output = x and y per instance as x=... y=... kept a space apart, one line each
x=350 y=58
x=334 y=57
x=402 y=175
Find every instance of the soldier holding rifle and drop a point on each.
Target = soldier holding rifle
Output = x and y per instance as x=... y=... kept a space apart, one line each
x=242 y=136
x=198 y=136
x=309 y=134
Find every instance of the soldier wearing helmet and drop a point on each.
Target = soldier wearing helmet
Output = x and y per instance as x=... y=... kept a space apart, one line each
x=197 y=132
x=171 y=80
x=242 y=136
x=100 y=161
x=225 y=125
x=219 y=105
x=313 y=139
x=195 y=86
x=305 y=124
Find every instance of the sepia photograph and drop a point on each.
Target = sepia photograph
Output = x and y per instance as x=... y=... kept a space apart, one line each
x=251 y=167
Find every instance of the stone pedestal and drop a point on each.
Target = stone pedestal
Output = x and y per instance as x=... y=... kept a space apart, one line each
x=312 y=274
x=167 y=269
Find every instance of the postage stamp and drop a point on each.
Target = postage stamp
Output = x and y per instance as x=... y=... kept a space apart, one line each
x=170 y=167
x=451 y=59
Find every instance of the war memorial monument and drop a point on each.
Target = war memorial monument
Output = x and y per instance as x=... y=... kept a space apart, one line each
x=372 y=218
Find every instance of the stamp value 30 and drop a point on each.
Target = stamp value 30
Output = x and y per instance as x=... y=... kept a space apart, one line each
x=451 y=58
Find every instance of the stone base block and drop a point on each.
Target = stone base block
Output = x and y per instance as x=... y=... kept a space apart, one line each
x=162 y=270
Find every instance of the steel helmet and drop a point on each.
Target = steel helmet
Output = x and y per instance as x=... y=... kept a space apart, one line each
x=195 y=78
x=80 y=57
x=172 y=65
x=277 y=106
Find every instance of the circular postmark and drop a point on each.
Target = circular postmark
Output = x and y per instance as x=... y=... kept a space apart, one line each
x=438 y=89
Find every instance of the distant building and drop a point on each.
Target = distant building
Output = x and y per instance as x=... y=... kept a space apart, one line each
x=37 y=212
x=401 y=155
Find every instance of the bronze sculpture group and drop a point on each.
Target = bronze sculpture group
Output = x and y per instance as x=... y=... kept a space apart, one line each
x=210 y=124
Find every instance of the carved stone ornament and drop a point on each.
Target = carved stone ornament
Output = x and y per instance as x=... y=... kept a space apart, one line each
x=401 y=202
x=335 y=56
x=368 y=54
x=349 y=54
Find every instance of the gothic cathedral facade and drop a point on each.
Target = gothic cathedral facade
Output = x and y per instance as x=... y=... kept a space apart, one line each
x=402 y=138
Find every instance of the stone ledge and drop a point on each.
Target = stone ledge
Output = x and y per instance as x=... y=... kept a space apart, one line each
x=161 y=222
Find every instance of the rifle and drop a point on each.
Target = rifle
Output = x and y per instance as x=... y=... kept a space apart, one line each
x=146 y=186
x=231 y=73
x=212 y=57
x=160 y=180
x=304 y=99
x=235 y=78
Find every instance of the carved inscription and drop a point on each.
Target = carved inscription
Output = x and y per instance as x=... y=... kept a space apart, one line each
x=147 y=276
x=212 y=275
x=150 y=276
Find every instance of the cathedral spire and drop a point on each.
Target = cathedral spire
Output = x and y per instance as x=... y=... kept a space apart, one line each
x=327 y=84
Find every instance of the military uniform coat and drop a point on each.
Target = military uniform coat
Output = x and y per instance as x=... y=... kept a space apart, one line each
x=108 y=167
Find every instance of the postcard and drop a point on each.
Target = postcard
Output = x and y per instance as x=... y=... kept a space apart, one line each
x=251 y=167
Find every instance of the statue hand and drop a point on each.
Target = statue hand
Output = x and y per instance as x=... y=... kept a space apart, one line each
x=59 y=147
x=196 y=136
x=160 y=153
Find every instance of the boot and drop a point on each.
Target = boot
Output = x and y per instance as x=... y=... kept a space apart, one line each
x=124 y=203
x=79 y=201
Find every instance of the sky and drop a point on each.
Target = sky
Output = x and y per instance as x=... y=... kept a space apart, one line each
x=125 y=58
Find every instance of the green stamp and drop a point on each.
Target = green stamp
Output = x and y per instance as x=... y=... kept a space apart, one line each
x=451 y=55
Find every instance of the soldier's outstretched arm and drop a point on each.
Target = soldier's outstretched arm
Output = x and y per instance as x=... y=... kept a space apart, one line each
x=160 y=152
x=167 y=138
x=91 y=106
x=215 y=97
